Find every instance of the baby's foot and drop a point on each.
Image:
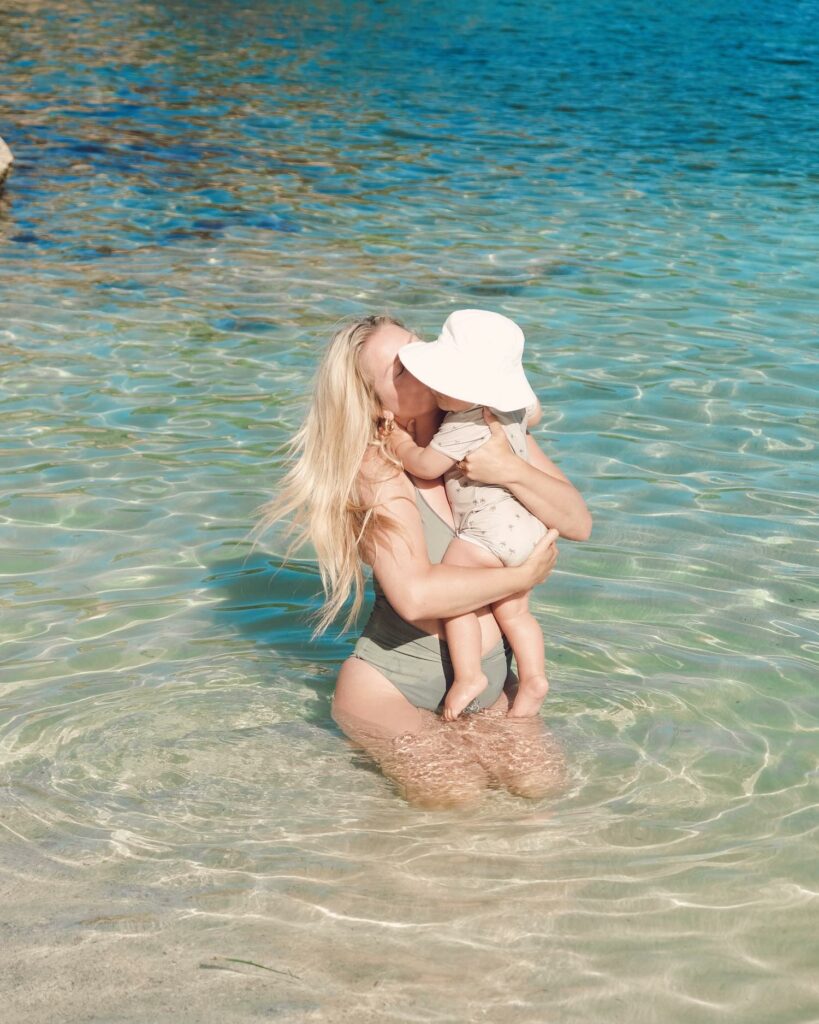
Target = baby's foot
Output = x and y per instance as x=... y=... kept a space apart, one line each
x=461 y=693
x=530 y=695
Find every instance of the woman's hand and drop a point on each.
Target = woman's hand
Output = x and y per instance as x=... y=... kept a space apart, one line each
x=494 y=461
x=543 y=557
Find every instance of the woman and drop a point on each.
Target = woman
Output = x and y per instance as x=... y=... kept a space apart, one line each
x=354 y=503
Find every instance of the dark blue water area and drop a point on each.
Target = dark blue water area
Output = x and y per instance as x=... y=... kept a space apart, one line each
x=195 y=121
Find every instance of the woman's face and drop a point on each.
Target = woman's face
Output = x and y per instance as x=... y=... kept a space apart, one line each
x=397 y=389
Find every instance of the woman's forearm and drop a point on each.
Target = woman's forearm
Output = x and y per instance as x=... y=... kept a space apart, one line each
x=441 y=591
x=554 y=502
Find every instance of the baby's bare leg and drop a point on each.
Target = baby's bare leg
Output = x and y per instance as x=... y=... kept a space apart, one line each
x=463 y=634
x=526 y=638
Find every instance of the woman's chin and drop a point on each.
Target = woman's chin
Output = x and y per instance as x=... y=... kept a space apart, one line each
x=426 y=409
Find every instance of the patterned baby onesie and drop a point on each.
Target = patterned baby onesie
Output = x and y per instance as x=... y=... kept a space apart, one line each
x=485 y=514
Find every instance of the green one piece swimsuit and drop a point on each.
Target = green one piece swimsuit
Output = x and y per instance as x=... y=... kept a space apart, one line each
x=418 y=663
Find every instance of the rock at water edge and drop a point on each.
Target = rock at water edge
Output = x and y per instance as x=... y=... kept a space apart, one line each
x=6 y=160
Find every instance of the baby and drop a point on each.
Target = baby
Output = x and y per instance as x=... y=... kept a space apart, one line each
x=476 y=362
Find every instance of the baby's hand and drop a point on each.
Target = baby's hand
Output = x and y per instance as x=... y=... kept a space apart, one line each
x=398 y=438
x=393 y=434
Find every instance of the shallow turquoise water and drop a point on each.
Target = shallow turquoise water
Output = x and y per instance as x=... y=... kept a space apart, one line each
x=199 y=195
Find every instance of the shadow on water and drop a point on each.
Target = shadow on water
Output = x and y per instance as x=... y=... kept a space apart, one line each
x=273 y=605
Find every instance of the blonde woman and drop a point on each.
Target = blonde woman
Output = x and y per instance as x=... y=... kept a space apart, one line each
x=350 y=497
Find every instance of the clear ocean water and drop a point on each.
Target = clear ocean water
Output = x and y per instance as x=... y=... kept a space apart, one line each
x=200 y=193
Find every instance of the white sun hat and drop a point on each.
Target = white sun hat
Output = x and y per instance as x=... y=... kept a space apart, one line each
x=476 y=358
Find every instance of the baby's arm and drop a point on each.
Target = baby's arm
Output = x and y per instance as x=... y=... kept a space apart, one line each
x=425 y=463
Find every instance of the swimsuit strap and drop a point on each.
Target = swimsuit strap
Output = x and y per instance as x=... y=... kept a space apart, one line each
x=437 y=532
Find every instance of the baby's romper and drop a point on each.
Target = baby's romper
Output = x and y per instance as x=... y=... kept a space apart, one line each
x=485 y=514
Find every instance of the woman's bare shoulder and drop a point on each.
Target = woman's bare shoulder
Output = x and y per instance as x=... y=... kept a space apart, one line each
x=381 y=480
x=388 y=490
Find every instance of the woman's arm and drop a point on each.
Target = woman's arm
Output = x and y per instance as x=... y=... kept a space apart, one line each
x=419 y=590
x=549 y=494
x=535 y=412
x=538 y=485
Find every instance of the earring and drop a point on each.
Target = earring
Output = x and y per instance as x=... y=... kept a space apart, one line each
x=385 y=424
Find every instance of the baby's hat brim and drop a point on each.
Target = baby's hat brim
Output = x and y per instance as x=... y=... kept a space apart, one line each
x=476 y=358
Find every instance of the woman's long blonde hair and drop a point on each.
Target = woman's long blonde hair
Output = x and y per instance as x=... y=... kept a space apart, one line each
x=321 y=489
